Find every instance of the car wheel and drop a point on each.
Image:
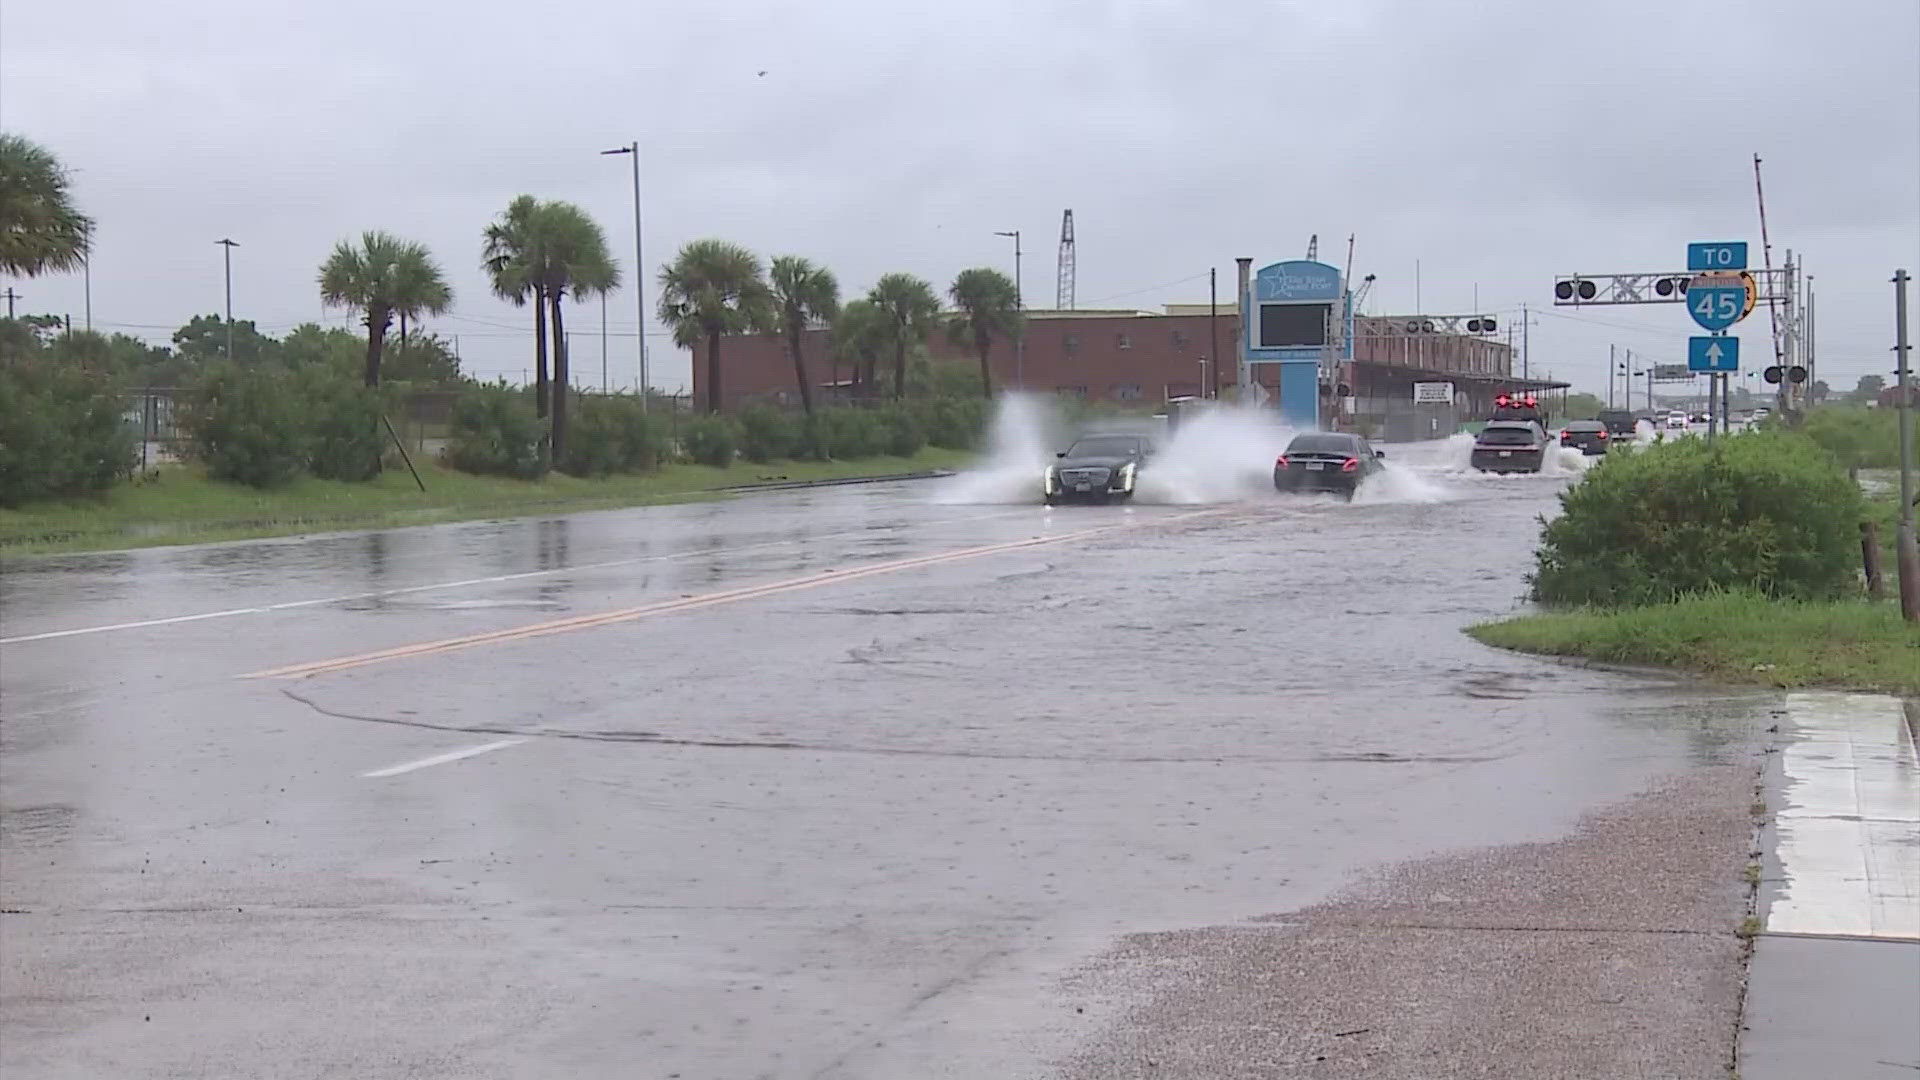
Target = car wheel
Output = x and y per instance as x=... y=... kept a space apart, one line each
x=1052 y=500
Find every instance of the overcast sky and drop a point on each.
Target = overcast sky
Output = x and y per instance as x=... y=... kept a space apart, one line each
x=1496 y=142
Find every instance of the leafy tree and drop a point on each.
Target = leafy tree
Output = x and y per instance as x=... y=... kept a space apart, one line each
x=989 y=307
x=1583 y=407
x=27 y=335
x=63 y=432
x=910 y=308
x=711 y=289
x=803 y=295
x=427 y=360
x=858 y=336
x=1867 y=390
x=204 y=339
x=568 y=256
x=1821 y=390
x=132 y=361
x=381 y=276
x=41 y=231
x=311 y=345
x=510 y=253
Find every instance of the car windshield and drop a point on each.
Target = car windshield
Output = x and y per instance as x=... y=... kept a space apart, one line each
x=1507 y=436
x=1323 y=442
x=1105 y=446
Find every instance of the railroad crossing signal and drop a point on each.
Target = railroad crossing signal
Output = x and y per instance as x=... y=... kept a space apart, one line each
x=1715 y=353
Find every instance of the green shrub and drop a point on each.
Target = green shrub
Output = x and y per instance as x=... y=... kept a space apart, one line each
x=709 y=440
x=1765 y=512
x=851 y=433
x=496 y=433
x=900 y=432
x=248 y=424
x=1858 y=438
x=61 y=432
x=611 y=434
x=346 y=437
x=767 y=433
x=954 y=423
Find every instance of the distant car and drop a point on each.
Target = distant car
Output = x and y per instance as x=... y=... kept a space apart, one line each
x=1326 y=461
x=1506 y=446
x=1702 y=417
x=1677 y=420
x=1097 y=468
x=1618 y=423
x=1590 y=436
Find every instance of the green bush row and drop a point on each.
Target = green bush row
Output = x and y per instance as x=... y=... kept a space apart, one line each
x=61 y=432
x=899 y=429
x=1769 y=512
x=264 y=426
x=1857 y=437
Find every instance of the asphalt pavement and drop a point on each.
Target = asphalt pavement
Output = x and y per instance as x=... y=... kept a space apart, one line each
x=847 y=782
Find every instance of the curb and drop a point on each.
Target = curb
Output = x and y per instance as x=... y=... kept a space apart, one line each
x=785 y=485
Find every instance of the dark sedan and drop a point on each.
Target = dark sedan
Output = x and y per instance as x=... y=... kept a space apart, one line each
x=1505 y=446
x=1097 y=468
x=1591 y=436
x=1326 y=461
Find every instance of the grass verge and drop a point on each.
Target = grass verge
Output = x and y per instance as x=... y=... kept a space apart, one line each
x=1850 y=644
x=182 y=506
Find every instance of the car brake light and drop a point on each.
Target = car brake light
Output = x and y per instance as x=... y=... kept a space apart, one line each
x=1281 y=461
x=1350 y=464
x=1566 y=436
x=1602 y=433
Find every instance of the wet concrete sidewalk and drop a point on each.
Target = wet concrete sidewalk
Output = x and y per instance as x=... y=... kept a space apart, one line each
x=1834 y=989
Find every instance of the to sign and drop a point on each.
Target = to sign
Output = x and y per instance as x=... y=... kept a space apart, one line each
x=1728 y=255
x=1717 y=301
x=1433 y=393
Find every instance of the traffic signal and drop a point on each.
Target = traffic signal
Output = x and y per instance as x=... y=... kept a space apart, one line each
x=1568 y=288
x=1668 y=286
x=1484 y=324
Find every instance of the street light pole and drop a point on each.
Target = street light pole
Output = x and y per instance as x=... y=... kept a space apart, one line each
x=227 y=257
x=1904 y=549
x=632 y=149
x=1020 y=303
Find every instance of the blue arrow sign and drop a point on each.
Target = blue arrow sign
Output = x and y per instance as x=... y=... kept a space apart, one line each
x=1725 y=255
x=1716 y=307
x=1713 y=353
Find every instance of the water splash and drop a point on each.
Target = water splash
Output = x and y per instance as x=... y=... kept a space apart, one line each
x=1222 y=454
x=1019 y=445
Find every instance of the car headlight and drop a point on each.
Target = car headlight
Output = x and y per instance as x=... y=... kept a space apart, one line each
x=1126 y=476
x=1051 y=482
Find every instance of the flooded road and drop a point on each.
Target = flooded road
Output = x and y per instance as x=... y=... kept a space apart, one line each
x=841 y=782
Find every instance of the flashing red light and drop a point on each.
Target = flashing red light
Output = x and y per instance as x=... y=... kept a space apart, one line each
x=1281 y=462
x=1350 y=465
x=1532 y=401
x=1502 y=400
x=1602 y=433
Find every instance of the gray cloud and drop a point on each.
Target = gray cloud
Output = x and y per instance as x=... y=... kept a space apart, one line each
x=1496 y=143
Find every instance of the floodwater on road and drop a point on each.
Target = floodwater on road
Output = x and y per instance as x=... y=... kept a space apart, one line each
x=838 y=782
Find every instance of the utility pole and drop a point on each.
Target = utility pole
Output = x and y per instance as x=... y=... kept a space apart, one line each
x=86 y=275
x=11 y=297
x=1213 y=330
x=227 y=257
x=1526 y=356
x=1020 y=303
x=1610 y=366
x=639 y=265
x=603 y=343
x=1904 y=550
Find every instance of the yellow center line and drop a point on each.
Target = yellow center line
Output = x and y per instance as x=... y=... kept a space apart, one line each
x=665 y=607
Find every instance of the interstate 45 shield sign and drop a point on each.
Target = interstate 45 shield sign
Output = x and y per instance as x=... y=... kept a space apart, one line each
x=1717 y=301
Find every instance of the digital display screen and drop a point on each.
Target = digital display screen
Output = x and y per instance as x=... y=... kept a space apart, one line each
x=1292 y=325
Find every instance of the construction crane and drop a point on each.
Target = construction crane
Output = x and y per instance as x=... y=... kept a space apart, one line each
x=1360 y=294
x=1063 y=298
x=1313 y=247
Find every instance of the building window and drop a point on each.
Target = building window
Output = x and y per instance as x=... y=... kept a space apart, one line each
x=1070 y=343
x=1126 y=392
x=1179 y=339
x=1123 y=341
x=1070 y=391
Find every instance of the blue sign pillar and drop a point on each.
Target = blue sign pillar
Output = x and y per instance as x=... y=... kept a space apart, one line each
x=1297 y=320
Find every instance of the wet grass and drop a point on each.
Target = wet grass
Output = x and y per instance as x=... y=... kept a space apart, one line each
x=181 y=506
x=1851 y=644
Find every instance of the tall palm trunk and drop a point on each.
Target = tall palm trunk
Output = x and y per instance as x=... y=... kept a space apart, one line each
x=378 y=319
x=984 y=345
x=403 y=331
x=540 y=352
x=562 y=378
x=900 y=368
x=800 y=368
x=713 y=371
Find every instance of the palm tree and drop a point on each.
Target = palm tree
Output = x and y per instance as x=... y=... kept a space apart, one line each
x=570 y=257
x=508 y=254
x=375 y=278
x=713 y=288
x=417 y=288
x=803 y=294
x=911 y=309
x=40 y=230
x=858 y=335
x=989 y=306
